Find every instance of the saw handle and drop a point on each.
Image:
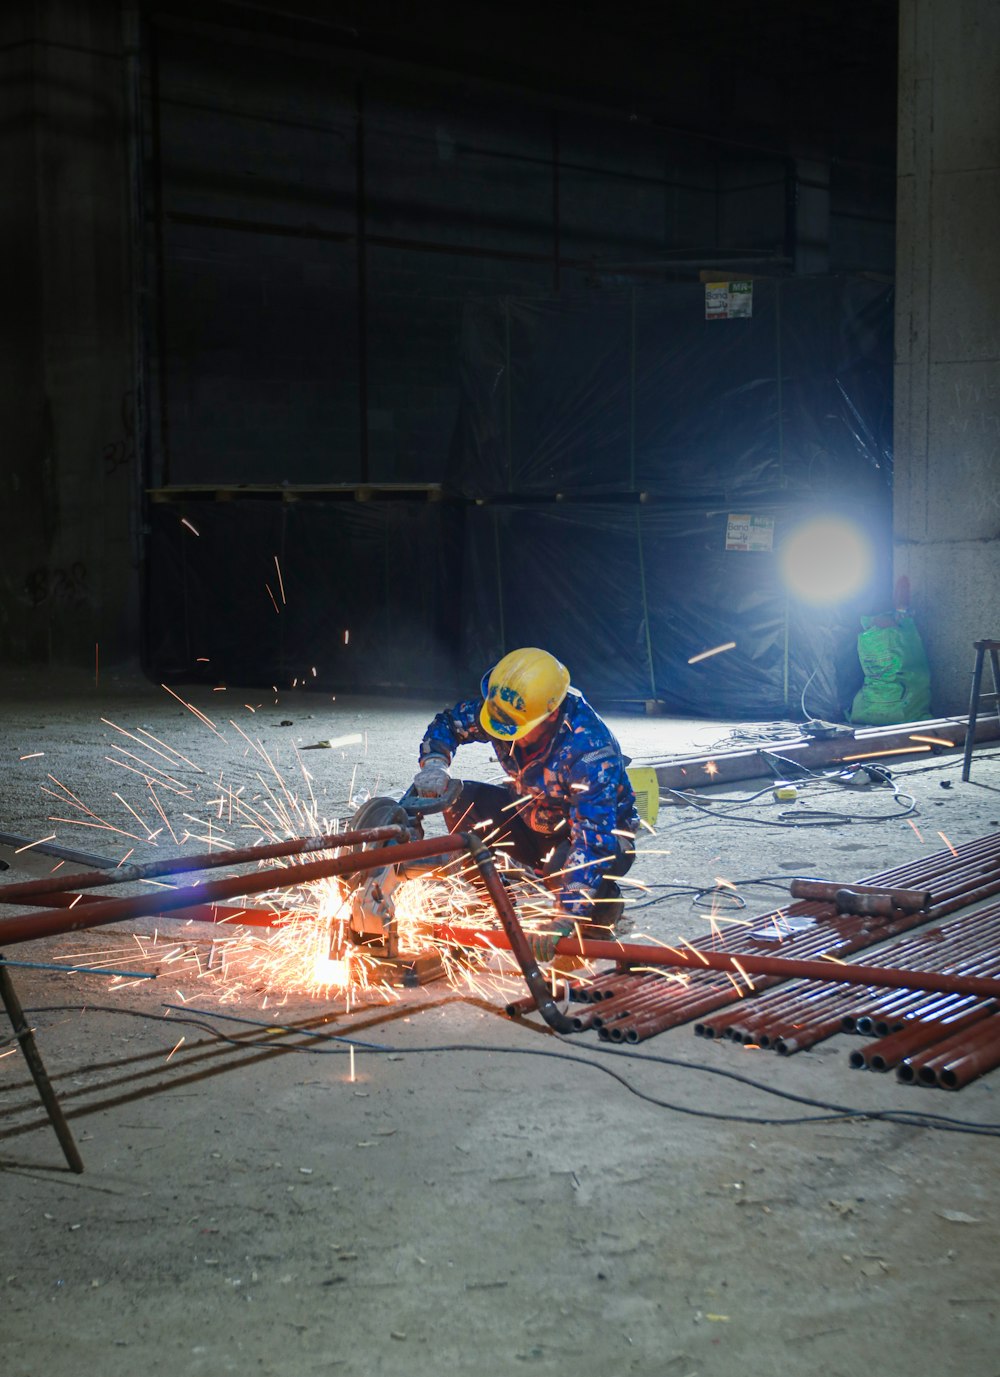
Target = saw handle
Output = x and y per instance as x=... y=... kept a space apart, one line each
x=412 y=803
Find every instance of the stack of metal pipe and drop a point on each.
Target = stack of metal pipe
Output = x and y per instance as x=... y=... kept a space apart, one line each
x=628 y=1006
x=931 y=1039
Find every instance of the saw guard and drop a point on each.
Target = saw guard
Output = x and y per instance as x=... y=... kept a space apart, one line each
x=372 y=917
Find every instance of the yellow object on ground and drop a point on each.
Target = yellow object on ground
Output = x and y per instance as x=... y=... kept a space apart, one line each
x=646 y=788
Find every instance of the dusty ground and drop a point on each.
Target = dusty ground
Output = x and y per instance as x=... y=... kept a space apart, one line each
x=483 y=1196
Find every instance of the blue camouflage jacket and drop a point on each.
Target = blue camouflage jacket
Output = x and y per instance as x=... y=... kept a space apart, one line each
x=580 y=771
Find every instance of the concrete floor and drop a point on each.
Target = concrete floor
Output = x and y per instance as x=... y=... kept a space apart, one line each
x=482 y=1195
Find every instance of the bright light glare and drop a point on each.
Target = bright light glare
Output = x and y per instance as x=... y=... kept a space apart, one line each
x=826 y=561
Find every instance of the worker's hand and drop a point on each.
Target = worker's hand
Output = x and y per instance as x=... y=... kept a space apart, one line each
x=432 y=779
x=543 y=944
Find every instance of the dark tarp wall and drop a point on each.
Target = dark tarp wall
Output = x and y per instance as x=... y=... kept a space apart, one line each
x=626 y=595
x=604 y=445
x=331 y=594
x=782 y=416
x=635 y=390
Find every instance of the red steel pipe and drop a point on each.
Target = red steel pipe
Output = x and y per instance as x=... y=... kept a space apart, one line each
x=885 y=899
x=786 y=1031
x=514 y=937
x=922 y=1064
x=846 y=936
x=798 y=1020
x=623 y=997
x=925 y=1009
x=22 y=891
x=697 y=959
x=887 y=1052
x=26 y=927
x=682 y=1010
x=775 y=1009
x=976 y=1061
x=955 y=1062
x=934 y=1006
x=639 y=986
x=803 y=1038
x=196 y=913
x=670 y=1017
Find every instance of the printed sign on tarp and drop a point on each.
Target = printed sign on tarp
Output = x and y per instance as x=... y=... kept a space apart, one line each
x=728 y=300
x=745 y=532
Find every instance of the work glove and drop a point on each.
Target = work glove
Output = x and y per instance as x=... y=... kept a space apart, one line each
x=432 y=779
x=543 y=944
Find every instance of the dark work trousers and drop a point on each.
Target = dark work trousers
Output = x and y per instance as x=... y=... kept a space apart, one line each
x=508 y=832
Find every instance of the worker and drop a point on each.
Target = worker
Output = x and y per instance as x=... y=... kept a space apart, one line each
x=567 y=811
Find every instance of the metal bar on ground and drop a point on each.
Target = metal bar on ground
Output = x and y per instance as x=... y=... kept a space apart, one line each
x=29 y=1048
x=725 y=767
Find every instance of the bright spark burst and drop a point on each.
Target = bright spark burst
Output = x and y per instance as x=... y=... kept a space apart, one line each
x=309 y=951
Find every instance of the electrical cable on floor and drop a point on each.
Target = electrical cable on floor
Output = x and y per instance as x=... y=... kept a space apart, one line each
x=834 y=1112
x=710 y=896
x=810 y=817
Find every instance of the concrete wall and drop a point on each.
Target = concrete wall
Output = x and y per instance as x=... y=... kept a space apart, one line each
x=947 y=386
x=68 y=580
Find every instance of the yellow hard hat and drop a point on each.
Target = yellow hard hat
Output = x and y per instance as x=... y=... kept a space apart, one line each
x=520 y=691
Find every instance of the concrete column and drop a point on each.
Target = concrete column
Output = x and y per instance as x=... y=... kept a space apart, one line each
x=68 y=579
x=947 y=385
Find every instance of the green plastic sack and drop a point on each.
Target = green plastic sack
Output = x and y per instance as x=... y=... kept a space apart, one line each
x=897 y=685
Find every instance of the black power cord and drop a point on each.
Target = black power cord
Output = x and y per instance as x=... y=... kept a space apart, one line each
x=833 y=1112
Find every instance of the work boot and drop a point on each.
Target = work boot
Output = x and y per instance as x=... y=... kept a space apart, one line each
x=609 y=906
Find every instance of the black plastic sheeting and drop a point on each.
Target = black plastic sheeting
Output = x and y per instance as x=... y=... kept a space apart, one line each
x=603 y=445
x=635 y=390
x=625 y=596
x=338 y=594
x=652 y=425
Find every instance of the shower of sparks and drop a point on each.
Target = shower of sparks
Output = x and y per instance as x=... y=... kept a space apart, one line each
x=915 y=828
x=711 y=768
x=933 y=740
x=175 y=1046
x=192 y=528
x=947 y=843
x=310 y=951
x=281 y=581
x=715 y=650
